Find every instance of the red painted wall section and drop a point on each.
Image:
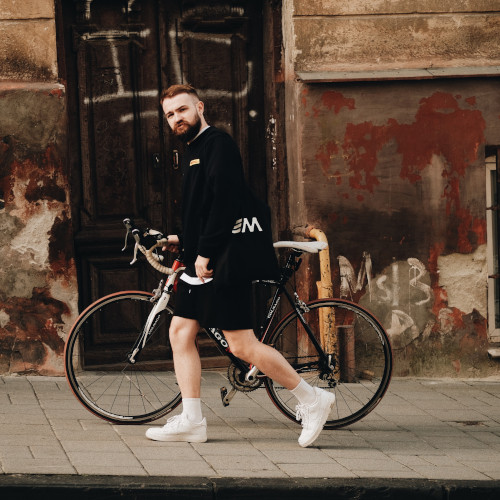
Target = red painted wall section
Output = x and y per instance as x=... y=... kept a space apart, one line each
x=394 y=174
x=38 y=290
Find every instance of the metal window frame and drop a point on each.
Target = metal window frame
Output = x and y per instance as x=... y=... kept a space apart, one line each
x=492 y=247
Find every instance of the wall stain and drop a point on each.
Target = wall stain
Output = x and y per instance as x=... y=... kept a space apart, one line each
x=440 y=142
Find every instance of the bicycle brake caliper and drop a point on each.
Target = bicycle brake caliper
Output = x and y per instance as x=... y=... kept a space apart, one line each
x=157 y=292
x=301 y=304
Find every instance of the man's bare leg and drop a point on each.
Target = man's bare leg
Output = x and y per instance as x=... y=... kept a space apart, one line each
x=190 y=426
x=314 y=404
x=187 y=362
x=245 y=345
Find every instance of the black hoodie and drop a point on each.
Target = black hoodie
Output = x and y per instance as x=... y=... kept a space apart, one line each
x=211 y=193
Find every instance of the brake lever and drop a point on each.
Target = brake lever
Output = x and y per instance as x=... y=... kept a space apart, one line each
x=126 y=239
x=128 y=224
x=134 y=260
x=137 y=238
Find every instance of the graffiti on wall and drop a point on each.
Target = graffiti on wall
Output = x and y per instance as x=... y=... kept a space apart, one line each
x=386 y=291
x=423 y=316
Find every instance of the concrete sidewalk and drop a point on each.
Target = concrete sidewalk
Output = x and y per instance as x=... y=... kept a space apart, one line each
x=424 y=432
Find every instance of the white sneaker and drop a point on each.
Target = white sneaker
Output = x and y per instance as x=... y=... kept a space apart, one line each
x=314 y=416
x=179 y=428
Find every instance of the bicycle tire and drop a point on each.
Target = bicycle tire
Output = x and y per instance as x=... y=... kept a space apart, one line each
x=362 y=369
x=106 y=383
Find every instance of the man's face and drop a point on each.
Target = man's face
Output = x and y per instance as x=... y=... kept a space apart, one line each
x=184 y=115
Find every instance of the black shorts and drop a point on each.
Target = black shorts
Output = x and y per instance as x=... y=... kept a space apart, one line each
x=227 y=309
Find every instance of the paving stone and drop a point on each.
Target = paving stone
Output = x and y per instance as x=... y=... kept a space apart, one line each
x=22 y=418
x=299 y=456
x=410 y=460
x=483 y=466
x=165 y=452
x=364 y=464
x=366 y=453
x=15 y=452
x=324 y=471
x=98 y=458
x=456 y=415
x=440 y=460
x=26 y=429
x=218 y=462
x=409 y=448
x=387 y=436
x=48 y=451
x=37 y=466
x=60 y=404
x=26 y=440
x=453 y=441
x=178 y=468
x=95 y=446
x=258 y=432
x=226 y=448
x=68 y=435
x=454 y=473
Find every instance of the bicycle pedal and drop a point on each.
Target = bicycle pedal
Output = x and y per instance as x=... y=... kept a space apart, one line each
x=223 y=394
x=226 y=396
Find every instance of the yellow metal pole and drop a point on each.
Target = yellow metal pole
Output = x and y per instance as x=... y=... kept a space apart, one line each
x=328 y=333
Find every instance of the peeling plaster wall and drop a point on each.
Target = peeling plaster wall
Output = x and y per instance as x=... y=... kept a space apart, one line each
x=393 y=171
x=38 y=289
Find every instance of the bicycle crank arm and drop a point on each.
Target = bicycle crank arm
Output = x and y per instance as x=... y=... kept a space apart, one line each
x=227 y=396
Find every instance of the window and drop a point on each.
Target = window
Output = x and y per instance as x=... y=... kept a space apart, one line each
x=492 y=217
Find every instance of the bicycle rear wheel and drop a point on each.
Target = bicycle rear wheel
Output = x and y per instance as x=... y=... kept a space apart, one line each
x=362 y=361
x=105 y=382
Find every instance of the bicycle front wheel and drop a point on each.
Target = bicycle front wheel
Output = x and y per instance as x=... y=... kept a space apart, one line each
x=360 y=364
x=103 y=380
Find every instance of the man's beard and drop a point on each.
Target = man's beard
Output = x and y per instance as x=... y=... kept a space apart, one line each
x=190 y=132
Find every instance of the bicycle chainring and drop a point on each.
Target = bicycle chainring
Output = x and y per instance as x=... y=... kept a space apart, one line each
x=238 y=381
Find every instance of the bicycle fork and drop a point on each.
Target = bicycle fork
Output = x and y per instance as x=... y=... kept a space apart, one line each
x=160 y=299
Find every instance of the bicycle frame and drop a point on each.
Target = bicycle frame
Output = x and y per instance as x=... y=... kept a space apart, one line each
x=251 y=372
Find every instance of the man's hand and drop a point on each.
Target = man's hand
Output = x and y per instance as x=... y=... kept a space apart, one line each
x=172 y=244
x=201 y=267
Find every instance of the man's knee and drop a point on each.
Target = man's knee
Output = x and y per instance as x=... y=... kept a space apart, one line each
x=242 y=345
x=182 y=332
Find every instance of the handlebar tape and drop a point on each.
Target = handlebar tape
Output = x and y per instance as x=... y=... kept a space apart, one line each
x=151 y=257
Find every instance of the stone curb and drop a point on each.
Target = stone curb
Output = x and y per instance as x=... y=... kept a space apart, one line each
x=59 y=487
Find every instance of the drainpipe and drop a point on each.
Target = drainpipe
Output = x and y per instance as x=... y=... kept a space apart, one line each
x=327 y=330
x=325 y=287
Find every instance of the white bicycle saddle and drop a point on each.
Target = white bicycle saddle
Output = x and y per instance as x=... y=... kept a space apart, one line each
x=305 y=246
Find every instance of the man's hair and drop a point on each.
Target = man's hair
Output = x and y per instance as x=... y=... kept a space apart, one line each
x=177 y=89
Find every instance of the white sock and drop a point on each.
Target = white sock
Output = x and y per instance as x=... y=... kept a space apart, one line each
x=191 y=408
x=304 y=393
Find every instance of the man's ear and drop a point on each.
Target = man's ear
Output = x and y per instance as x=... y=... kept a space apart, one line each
x=200 y=106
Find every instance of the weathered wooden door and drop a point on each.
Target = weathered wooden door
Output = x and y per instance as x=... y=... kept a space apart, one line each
x=117 y=57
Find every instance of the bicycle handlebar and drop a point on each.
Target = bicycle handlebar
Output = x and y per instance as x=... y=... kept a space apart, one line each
x=148 y=238
x=153 y=259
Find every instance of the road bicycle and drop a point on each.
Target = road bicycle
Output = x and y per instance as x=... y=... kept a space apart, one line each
x=334 y=344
